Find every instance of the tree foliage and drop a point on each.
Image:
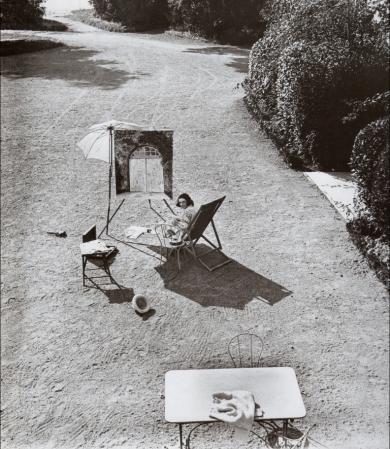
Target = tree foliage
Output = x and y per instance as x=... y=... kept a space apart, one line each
x=225 y=20
x=230 y=21
x=21 y=13
x=136 y=15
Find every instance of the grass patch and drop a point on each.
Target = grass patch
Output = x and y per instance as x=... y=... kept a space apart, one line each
x=15 y=47
x=53 y=25
x=87 y=16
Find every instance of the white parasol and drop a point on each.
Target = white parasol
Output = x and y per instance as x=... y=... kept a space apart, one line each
x=98 y=144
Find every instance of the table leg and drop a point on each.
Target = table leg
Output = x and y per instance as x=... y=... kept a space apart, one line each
x=285 y=426
x=178 y=258
x=181 y=435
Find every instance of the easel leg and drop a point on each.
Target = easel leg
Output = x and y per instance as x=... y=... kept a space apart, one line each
x=154 y=210
x=84 y=262
x=109 y=219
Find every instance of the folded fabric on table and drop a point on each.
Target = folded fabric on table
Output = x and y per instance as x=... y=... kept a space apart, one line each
x=236 y=408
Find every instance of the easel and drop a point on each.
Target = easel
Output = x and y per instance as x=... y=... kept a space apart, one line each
x=156 y=212
x=110 y=217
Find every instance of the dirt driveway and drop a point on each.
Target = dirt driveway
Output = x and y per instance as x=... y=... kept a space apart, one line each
x=79 y=368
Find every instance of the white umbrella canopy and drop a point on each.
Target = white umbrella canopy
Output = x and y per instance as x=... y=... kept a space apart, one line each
x=96 y=144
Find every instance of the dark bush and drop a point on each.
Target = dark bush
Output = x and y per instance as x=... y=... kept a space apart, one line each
x=368 y=110
x=19 y=14
x=136 y=15
x=370 y=166
x=228 y=21
x=313 y=60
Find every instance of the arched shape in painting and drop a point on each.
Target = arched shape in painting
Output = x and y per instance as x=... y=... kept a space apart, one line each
x=146 y=170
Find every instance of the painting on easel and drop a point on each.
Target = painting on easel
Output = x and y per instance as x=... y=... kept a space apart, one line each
x=143 y=161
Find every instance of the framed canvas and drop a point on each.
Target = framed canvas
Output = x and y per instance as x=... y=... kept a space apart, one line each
x=143 y=161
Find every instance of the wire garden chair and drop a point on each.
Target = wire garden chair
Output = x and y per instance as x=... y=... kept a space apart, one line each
x=170 y=238
x=188 y=443
x=245 y=350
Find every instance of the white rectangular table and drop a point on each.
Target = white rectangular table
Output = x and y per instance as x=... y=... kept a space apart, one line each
x=188 y=393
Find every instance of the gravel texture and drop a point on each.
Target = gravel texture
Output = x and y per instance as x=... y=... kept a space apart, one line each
x=79 y=368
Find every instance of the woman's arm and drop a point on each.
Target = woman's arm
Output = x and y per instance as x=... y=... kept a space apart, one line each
x=183 y=220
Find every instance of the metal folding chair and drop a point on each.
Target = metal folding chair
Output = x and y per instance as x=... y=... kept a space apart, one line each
x=202 y=219
x=170 y=238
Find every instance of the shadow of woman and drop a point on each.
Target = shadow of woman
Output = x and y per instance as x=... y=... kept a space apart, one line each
x=233 y=285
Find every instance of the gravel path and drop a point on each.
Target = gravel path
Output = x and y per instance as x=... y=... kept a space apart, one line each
x=79 y=368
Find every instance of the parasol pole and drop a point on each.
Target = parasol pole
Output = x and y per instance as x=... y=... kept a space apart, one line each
x=110 y=128
x=110 y=160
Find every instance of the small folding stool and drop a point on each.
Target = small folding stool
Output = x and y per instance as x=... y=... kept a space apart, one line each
x=98 y=253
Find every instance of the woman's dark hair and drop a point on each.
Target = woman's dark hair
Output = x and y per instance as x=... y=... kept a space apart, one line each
x=186 y=197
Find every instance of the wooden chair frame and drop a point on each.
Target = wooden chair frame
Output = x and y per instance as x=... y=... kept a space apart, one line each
x=195 y=232
x=102 y=258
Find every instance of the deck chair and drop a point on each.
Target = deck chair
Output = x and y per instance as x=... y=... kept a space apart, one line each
x=202 y=219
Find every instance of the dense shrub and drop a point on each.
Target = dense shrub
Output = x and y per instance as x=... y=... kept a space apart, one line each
x=368 y=110
x=313 y=60
x=370 y=167
x=136 y=15
x=229 y=21
x=224 y=20
x=18 y=14
x=309 y=105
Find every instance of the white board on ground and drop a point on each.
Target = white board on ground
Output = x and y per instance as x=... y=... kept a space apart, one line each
x=339 y=188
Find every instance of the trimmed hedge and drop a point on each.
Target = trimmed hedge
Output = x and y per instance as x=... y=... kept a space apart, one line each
x=309 y=106
x=304 y=73
x=370 y=167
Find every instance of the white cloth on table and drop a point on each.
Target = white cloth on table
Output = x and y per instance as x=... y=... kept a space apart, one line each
x=95 y=247
x=237 y=408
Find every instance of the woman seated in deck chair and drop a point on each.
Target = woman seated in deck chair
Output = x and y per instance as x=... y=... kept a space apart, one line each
x=185 y=216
